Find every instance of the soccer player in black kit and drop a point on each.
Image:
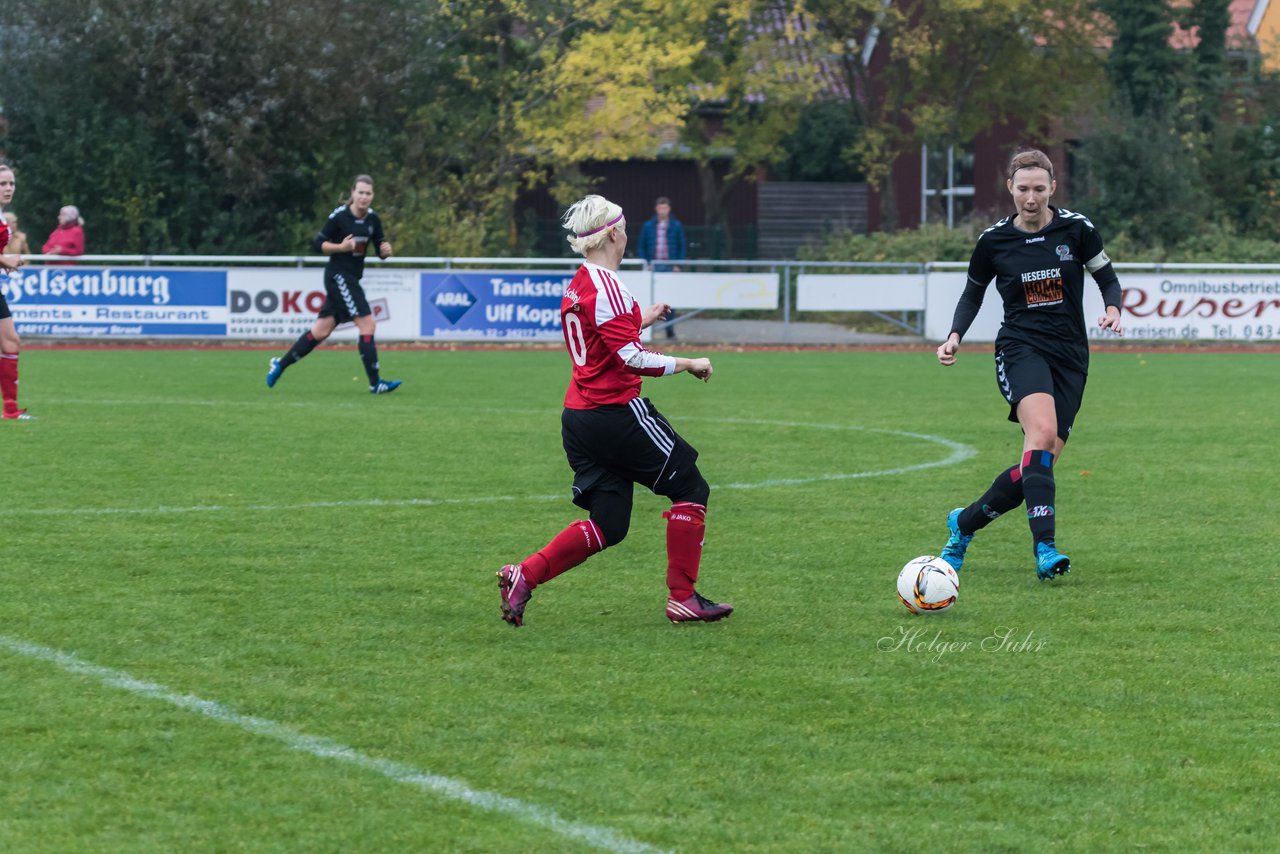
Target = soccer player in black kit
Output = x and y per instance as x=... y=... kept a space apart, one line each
x=345 y=238
x=1038 y=258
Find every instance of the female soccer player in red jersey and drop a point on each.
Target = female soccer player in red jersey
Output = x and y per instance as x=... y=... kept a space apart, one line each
x=612 y=437
x=1038 y=258
x=9 y=341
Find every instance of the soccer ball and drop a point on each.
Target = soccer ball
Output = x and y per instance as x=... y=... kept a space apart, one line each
x=928 y=585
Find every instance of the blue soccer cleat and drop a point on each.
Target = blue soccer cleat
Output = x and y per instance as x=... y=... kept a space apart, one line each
x=384 y=387
x=274 y=373
x=957 y=543
x=1050 y=563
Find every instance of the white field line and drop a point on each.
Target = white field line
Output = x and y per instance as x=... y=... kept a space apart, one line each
x=264 y=403
x=446 y=787
x=959 y=453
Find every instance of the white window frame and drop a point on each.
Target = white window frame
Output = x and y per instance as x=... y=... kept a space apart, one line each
x=951 y=191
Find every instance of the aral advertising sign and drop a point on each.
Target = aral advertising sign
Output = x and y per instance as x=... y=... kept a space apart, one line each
x=1157 y=307
x=88 y=302
x=282 y=304
x=506 y=305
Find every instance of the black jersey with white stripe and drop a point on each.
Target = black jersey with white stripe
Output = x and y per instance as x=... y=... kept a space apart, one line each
x=367 y=231
x=1040 y=277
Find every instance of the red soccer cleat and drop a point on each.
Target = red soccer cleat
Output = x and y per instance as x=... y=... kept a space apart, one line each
x=515 y=593
x=696 y=609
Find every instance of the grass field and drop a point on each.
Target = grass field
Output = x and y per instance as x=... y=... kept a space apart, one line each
x=241 y=619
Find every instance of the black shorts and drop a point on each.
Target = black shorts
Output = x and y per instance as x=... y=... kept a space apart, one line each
x=612 y=447
x=4 y=307
x=344 y=299
x=1021 y=370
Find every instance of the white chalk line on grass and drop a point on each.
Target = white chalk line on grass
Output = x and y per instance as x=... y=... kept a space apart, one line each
x=271 y=508
x=959 y=453
x=447 y=787
x=220 y=404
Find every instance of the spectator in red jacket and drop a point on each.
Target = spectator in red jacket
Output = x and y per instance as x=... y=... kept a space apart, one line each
x=68 y=238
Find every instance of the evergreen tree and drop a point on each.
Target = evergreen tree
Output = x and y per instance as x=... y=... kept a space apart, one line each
x=1141 y=65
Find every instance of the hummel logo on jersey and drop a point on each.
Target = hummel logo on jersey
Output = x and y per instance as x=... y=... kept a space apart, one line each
x=1039 y=239
x=1041 y=275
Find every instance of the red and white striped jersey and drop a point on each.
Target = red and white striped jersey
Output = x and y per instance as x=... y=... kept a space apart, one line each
x=601 y=324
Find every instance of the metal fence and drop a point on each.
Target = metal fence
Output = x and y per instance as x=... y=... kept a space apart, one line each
x=1172 y=291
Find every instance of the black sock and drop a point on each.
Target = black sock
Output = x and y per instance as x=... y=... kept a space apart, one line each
x=1004 y=494
x=369 y=355
x=304 y=345
x=1039 y=488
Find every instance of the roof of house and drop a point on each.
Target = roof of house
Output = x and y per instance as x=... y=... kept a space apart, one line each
x=1240 y=33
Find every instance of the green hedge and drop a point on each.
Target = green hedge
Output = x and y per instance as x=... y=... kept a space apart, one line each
x=1214 y=244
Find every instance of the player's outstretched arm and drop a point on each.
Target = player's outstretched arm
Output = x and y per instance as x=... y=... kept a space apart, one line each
x=700 y=368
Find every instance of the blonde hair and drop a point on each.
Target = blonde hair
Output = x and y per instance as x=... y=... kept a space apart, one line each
x=590 y=219
x=1030 y=158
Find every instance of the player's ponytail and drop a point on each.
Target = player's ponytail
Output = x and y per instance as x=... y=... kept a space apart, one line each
x=590 y=220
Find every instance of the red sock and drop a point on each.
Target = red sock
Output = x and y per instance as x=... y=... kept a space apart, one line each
x=566 y=550
x=686 y=523
x=9 y=382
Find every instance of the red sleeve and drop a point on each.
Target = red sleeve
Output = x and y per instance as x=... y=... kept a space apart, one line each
x=618 y=333
x=622 y=336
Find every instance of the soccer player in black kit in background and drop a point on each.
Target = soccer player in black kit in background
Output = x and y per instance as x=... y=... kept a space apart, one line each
x=1038 y=258
x=345 y=238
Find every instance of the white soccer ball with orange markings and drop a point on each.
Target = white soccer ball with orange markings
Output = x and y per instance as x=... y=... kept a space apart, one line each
x=928 y=585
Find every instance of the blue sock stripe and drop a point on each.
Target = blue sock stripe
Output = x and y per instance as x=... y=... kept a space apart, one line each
x=1043 y=458
x=1038 y=459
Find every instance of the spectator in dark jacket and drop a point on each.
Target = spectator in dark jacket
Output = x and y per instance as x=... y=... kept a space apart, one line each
x=662 y=240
